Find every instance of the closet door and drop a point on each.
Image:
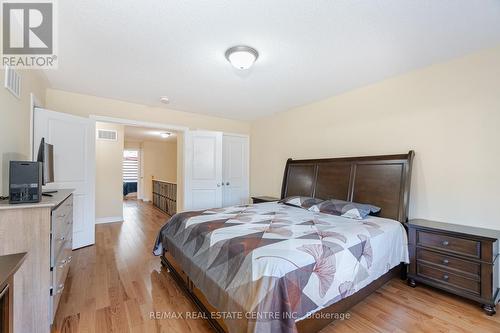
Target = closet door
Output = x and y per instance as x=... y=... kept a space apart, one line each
x=203 y=167
x=235 y=170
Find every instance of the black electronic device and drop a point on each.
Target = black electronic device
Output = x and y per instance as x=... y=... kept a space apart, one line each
x=46 y=157
x=25 y=182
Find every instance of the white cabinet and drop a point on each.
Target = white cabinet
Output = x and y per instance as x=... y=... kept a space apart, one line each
x=217 y=170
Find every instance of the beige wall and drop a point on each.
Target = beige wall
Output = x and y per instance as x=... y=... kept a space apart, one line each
x=448 y=113
x=159 y=162
x=15 y=121
x=132 y=144
x=109 y=179
x=85 y=105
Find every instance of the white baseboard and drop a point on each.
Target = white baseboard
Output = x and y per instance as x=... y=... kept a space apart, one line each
x=108 y=219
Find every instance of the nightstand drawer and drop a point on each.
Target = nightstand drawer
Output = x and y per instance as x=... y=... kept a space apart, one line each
x=464 y=267
x=449 y=278
x=452 y=244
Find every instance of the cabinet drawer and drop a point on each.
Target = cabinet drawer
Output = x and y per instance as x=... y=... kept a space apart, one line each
x=468 y=247
x=59 y=242
x=464 y=267
x=62 y=218
x=449 y=278
x=62 y=226
x=60 y=272
x=65 y=208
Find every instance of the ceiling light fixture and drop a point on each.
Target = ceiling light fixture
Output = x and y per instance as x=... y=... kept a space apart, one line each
x=165 y=135
x=241 y=56
x=164 y=99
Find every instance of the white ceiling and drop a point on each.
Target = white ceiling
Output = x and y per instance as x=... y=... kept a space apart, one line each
x=140 y=134
x=138 y=51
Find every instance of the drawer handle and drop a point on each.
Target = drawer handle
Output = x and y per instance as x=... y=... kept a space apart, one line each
x=60 y=288
x=445 y=262
x=63 y=263
x=445 y=277
x=61 y=215
x=445 y=243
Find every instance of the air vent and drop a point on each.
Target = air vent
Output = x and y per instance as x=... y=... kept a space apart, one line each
x=108 y=135
x=13 y=81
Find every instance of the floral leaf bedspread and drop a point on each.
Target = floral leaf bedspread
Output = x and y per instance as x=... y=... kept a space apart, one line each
x=265 y=266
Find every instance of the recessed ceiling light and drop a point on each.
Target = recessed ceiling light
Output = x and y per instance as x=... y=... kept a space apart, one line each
x=165 y=135
x=164 y=99
x=241 y=56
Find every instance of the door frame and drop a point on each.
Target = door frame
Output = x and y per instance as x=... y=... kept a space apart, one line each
x=34 y=103
x=181 y=134
x=139 y=169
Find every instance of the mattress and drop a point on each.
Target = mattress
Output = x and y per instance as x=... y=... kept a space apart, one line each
x=267 y=266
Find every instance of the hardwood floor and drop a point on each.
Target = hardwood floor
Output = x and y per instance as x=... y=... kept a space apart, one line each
x=115 y=285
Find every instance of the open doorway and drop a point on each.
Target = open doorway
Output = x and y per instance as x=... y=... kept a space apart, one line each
x=130 y=172
x=131 y=161
x=156 y=161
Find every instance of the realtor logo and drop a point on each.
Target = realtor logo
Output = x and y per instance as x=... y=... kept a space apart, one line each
x=28 y=31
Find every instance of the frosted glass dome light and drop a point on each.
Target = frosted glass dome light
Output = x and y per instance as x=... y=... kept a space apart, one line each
x=242 y=57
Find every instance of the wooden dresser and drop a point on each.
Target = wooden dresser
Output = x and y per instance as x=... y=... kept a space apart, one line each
x=44 y=231
x=459 y=259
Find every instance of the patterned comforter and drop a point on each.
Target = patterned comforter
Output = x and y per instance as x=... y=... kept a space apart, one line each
x=265 y=266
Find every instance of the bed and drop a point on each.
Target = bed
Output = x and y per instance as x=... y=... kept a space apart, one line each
x=129 y=187
x=273 y=267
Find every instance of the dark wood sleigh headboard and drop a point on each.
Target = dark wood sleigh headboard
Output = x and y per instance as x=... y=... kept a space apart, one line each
x=383 y=181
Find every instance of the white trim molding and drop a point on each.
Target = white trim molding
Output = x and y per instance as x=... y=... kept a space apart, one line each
x=109 y=219
x=34 y=103
x=139 y=123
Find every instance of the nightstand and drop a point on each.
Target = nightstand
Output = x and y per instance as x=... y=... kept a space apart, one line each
x=262 y=199
x=459 y=259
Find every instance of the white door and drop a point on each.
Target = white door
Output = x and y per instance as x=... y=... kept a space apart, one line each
x=235 y=170
x=74 y=165
x=203 y=167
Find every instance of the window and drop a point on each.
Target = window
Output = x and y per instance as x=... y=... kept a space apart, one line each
x=130 y=166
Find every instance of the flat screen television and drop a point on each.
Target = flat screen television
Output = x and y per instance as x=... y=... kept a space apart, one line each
x=46 y=156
